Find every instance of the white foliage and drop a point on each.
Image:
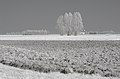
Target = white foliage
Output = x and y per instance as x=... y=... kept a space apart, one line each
x=61 y=25
x=70 y=23
x=77 y=23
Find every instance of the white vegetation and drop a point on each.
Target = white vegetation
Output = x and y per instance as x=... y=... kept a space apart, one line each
x=70 y=23
x=61 y=25
x=77 y=23
x=7 y=72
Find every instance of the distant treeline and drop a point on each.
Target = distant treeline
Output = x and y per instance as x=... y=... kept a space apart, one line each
x=30 y=32
x=102 y=32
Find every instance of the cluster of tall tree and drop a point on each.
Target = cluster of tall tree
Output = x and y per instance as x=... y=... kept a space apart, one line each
x=70 y=24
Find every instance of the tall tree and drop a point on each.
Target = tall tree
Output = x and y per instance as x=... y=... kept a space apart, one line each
x=66 y=23
x=70 y=23
x=80 y=23
x=61 y=25
x=77 y=23
x=70 y=19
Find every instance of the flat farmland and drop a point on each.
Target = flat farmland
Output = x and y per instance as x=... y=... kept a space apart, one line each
x=58 y=37
x=66 y=56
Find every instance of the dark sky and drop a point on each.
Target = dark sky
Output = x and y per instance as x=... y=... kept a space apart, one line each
x=19 y=15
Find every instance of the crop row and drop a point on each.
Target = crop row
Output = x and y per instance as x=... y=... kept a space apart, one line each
x=89 y=57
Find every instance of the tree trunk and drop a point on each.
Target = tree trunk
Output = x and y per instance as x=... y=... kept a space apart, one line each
x=75 y=33
x=68 y=34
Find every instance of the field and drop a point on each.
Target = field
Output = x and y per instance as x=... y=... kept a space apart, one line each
x=67 y=56
x=7 y=72
x=58 y=37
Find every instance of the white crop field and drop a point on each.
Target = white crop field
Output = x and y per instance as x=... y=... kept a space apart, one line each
x=8 y=72
x=58 y=37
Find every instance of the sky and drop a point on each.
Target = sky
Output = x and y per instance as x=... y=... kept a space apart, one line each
x=20 y=15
